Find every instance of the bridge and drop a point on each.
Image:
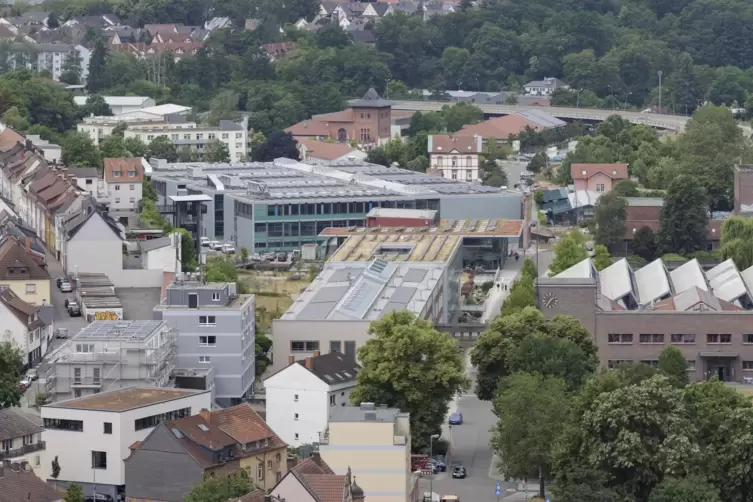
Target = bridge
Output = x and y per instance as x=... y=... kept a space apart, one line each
x=465 y=333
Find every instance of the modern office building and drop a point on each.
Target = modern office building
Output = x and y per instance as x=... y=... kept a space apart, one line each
x=634 y=315
x=284 y=204
x=374 y=271
x=216 y=329
x=110 y=355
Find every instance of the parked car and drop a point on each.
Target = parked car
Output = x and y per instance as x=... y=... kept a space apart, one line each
x=59 y=280
x=65 y=286
x=216 y=245
x=32 y=374
x=282 y=256
x=269 y=257
x=459 y=472
x=24 y=383
x=74 y=310
x=456 y=418
x=204 y=241
x=61 y=333
x=438 y=465
x=228 y=248
x=256 y=257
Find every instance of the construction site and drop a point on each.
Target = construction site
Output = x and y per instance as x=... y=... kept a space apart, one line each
x=109 y=355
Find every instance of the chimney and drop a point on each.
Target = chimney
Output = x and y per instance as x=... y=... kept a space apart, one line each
x=28 y=245
x=291 y=360
x=205 y=414
x=317 y=353
x=308 y=363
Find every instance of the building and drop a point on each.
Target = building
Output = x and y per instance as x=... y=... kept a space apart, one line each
x=598 y=177
x=123 y=185
x=179 y=454
x=544 y=87
x=99 y=128
x=90 y=436
x=300 y=395
x=216 y=327
x=121 y=104
x=313 y=150
x=48 y=57
x=86 y=178
x=282 y=205
x=194 y=138
x=17 y=483
x=634 y=315
x=503 y=128
x=111 y=355
x=21 y=437
x=350 y=442
x=374 y=271
x=313 y=481
x=455 y=157
x=388 y=217
x=25 y=326
x=50 y=151
x=743 y=195
x=24 y=273
x=367 y=121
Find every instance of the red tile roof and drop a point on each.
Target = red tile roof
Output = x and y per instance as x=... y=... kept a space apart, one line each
x=324 y=150
x=500 y=127
x=326 y=487
x=585 y=171
x=443 y=143
x=309 y=128
x=123 y=166
x=245 y=425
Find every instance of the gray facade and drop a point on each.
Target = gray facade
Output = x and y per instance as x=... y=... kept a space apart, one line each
x=215 y=329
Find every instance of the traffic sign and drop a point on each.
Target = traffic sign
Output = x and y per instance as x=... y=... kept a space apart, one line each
x=548 y=499
x=499 y=484
x=497 y=492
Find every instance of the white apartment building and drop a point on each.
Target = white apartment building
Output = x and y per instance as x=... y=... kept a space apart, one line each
x=196 y=138
x=22 y=326
x=100 y=127
x=455 y=157
x=91 y=436
x=50 y=57
x=123 y=185
x=86 y=178
x=300 y=396
x=374 y=443
x=121 y=104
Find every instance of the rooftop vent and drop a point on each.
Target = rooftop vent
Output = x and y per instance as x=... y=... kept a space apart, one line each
x=368 y=406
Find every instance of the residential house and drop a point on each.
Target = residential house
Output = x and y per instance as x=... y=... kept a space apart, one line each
x=86 y=179
x=503 y=128
x=312 y=150
x=124 y=179
x=367 y=121
x=23 y=326
x=278 y=49
x=544 y=87
x=300 y=395
x=351 y=440
x=48 y=57
x=120 y=104
x=93 y=243
x=91 y=435
x=313 y=481
x=98 y=23
x=21 y=437
x=37 y=19
x=455 y=157
x=179 y=454
x=23 y=273
x=18 y=483
x=50 y=151
x=598 y=177
x=376 y=10
x=156 y=50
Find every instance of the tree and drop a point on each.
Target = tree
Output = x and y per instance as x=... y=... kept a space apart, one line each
x=98 y=77
x=97 y=106
x=610 y=215
x=15 y=120
x=537 y=163
x=567 y=253
x=625 y=188
x=684 y=217
x=135 y=147
x=690 y=489
x=79 y=150
x=737 y=241
x=673 y=365
x=404 y=362
x=601 y=258
x=55 y=468
x=162 y=148
x=52 y=21
x=113 y=147
x=511 y=99
x=529 y=269
x=74 y=493
x=187 y=249
x=521 y=296
x=244 y=253
x=224 y=106
x=221 y=488
x=645 y=245
x=461 y=114
x=552 y=357
x=279 y=144
x=525 y=444
x=71 y=73
x=216 y=151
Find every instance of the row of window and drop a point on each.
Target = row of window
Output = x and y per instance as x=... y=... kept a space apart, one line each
x=303 y=228
x=199 y=136
x=614 y=363
x=154 y=420
x=359 y=207
x=334 y=346
x=281 y=244
x=676 y=338
x=7 y=444
x=454 y=162
x=63 y=424
x=454 y=174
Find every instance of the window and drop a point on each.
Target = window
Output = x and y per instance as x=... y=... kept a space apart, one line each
x=295 y=416
x=31 y=289
x=77 y=376
x=238 y=135
x=89 y=182
x=117 y=188
x=37 y=461
x=296 y=436
x=304 y=346
x=199 y=136
x=153 y=420
x=600 y=187
x=207 y=320
x=215 y=297
x=99 y=460
x=117 y=200
x=620 y=338
x=651 y=338
x=269 y=465
x=335 y=346
x=211 y=135
x=295 y=398
x=225 y=135
x=691 y=365
x=260 y=471
x=28 y=439
x=747 y=365
x=278 y=457
x=108 y=427
x=332 y=400
x=682 y=338
x=84 y=347
x=719 y=338
x=132 y=187
x=95 y=375
x=186 y=136
x=204 y=360
x=7 y=444
x=748 y=338
x=117 y=173
x=208 y=341
x=350 y=349
x=654 y=363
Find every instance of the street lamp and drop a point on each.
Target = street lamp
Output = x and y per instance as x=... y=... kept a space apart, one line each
x=577 y=101
x=431 y=456
x=624 y=107
x=660 y=74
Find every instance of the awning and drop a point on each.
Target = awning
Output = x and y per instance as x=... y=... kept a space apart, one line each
x=725 y=355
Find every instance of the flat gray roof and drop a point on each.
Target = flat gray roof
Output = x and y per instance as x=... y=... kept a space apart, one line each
x=358 y=414
x=139 y=330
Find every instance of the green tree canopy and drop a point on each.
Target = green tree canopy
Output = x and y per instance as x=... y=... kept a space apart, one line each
x=79 y=150
x=404 y=361
x=552 y=357
x=567 y=252
x=11 y=365
x=74 y=493
x=610 y=214
x=691 y=489
x=601 y=258
x=684 y=217
x=737 y=241
x=162 y=148
x=216 y=151
x=673 y=365
x=645 y=244
x=221 y=488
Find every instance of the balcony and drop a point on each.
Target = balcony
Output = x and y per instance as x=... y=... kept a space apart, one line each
x=86 y=382
x=20 y=452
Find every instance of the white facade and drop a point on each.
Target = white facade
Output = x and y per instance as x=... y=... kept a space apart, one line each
x=33 y=343
x=298 y=403
x=49 y=57
x=74 y=448
x=455 y=165
x=196 y=138
x=51 y=151
x=94 y=249
x=123 y=196
x=98 y=128
x=121 y=104
x=163 y=258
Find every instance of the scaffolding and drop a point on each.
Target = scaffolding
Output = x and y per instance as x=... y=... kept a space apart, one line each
x=86 y=365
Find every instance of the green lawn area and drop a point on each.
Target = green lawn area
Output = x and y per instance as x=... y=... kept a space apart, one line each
x=283 y=292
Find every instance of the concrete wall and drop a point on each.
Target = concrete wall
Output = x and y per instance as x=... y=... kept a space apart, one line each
x=95 y=249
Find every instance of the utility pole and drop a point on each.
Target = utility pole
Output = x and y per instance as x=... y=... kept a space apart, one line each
x=660 y=74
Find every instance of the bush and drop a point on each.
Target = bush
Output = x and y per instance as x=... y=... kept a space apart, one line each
x=41 y=398
x=636 y=261
x=485 y=287
x=706 y=255
x=673 y=257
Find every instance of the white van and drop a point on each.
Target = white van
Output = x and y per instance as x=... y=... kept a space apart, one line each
x=204 y=241
x=228 y=248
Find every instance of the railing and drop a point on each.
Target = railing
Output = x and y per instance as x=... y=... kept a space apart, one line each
x=19 y=452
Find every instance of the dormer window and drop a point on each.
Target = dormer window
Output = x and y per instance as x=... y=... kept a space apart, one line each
x=614 y=171
x=583 y=172
x=131 y=174
x=116 y=173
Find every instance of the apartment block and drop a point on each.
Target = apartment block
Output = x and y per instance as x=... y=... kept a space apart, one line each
x=48 y=57
x=110 y=355
x=215 y=328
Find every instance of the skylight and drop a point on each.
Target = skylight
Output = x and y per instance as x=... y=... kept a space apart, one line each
x=203 y=427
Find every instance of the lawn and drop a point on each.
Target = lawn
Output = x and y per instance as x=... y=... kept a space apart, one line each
x=281 y=292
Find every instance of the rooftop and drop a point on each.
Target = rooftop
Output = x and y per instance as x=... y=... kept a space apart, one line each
x=367 y=412
x=389 y=212
x=122 y=329
x=18 y=484
x=116 y=100
x=15 y=424
x=125 y=399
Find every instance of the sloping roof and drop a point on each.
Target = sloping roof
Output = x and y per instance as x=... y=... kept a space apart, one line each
x=726 y=282
x=371 y=100
x=652 y=282
x=245 y=425
x=582 y=270
x=616 y=281
x=585 y=171
x=77 y=222
x=9 y=138
x=542 y=118
x=583 y=198
x=152 y=244
x=256 y=496
x=501 y=127
x=324 y=150
x=445 y=143
x=326 y=487
x=313 y=465
x=309 y=128
x=688 y=275
x=84 y=172
x=15 y=424
x=20 y=485
x=333 y=368
x=25 y=312
x=122 y=166
x=13 y=254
